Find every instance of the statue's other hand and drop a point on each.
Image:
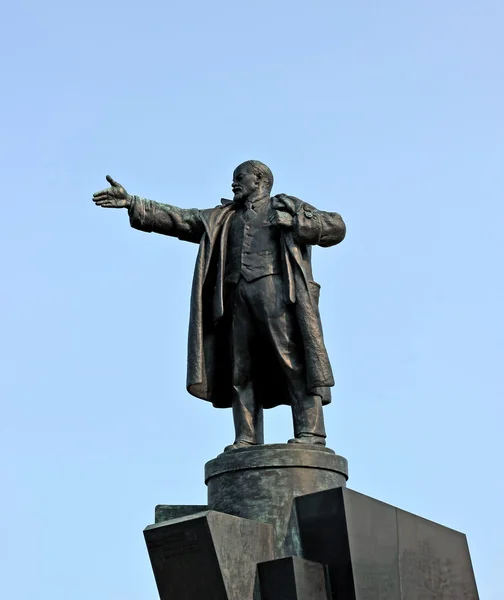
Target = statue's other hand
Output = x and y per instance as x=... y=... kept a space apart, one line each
x=113 y=197
x=280 y=218
x=285 y=203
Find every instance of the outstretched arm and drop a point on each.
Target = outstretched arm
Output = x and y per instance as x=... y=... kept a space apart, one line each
x=183 y=223
x=147 y=215
x=310 y=225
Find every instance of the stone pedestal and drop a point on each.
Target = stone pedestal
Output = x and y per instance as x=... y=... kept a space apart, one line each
x=375 y=550
x=208 y=556
x=260 y=483
x=283 y=526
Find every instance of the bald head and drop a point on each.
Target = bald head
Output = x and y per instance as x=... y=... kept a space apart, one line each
x=262 y=172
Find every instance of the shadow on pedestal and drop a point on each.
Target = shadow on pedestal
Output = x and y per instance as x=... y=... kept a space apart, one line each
x=292 y=578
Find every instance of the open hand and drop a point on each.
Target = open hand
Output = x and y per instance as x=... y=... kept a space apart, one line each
x=112 y=197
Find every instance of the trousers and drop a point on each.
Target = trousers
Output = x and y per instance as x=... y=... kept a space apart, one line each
x=263 y=322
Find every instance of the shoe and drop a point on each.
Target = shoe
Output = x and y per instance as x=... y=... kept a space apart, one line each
x=239 y=444
x=310 y=439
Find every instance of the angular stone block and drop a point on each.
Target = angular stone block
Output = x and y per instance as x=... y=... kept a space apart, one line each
x=292 y=578
x=167 y=512
x=208 y=555
x=376 y=551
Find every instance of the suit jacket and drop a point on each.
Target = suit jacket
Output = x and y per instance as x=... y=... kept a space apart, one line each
x=208 y=366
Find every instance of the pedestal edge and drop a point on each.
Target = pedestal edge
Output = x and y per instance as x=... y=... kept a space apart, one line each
x=276 y=456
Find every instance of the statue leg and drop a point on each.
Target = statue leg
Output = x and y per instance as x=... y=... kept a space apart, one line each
x=247 y=412
x=247 y=416
x=308 y=418
x=278 y=327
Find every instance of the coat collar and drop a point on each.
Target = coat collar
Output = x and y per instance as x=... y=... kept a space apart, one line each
x=259 y=201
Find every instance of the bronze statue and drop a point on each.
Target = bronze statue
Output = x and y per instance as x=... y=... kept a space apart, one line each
x=255 y=336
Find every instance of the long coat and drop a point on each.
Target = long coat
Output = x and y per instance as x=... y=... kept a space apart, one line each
x=209 y=362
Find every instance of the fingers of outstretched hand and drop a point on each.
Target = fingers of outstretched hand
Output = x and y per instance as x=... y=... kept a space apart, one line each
x=112 y=182
x=105 y=203
x=106 y=193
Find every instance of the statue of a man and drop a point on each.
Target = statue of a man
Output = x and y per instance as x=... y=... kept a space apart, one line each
x=255 y=336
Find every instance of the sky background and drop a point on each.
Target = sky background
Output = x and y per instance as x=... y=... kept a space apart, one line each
x=388 y=112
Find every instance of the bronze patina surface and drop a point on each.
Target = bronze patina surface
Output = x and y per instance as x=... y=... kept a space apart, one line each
x=255 y=336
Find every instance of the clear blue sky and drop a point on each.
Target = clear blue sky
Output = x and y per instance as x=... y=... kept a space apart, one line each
x=390 y=113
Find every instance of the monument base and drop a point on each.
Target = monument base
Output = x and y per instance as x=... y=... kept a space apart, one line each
x=281 y=525
x=260 y=483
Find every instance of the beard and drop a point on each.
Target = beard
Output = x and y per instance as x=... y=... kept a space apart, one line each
x=240 y=196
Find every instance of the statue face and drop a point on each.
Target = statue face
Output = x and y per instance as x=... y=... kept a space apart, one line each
x=245 y=182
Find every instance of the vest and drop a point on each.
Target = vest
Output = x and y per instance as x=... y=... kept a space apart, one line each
x=253 y=245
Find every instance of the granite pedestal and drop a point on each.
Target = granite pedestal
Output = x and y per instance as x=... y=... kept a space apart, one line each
x=283 y=526
x=376 y=551
x=209 y=555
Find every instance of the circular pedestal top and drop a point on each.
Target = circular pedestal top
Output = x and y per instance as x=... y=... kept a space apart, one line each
x=277 y=456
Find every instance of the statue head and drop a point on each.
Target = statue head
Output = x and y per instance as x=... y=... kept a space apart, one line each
x=252 y=179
